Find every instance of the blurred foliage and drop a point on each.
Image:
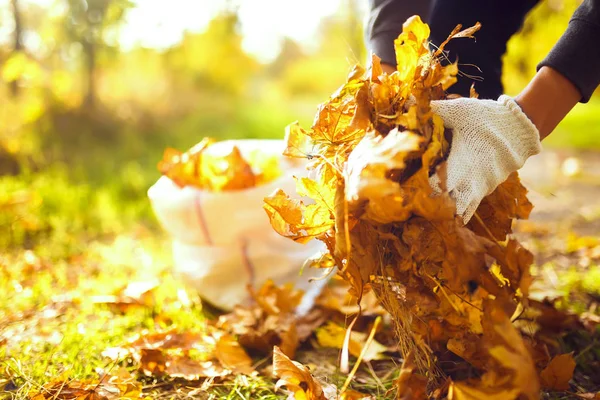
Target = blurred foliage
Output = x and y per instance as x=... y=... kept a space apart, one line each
x=83 y=121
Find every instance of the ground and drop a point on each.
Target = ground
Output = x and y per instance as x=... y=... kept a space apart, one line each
x=61 y=310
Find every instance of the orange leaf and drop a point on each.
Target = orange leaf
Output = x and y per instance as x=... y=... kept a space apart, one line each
x=295 y=377
x=558 y=372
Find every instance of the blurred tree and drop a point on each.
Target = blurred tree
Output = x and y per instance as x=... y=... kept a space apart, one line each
x=85 y=23
x=214 y=60
x=290 y=53
x=18 y=41
x=341 y=45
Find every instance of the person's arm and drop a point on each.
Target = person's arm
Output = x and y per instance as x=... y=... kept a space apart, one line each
x=547 y=99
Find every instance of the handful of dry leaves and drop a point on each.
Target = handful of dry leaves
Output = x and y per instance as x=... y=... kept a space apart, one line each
x=451 y=289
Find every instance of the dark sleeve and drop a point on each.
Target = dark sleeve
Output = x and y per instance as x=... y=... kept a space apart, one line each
x=479 y=60
x=577 y=53
x=385 y=24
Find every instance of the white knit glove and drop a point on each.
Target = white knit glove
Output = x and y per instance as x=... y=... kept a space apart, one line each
x=490 y=140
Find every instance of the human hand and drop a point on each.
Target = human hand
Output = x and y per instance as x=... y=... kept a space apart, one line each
x=490 y=140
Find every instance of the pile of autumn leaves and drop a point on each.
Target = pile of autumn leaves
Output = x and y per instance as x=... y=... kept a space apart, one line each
x=202 y=168
x=455 y=292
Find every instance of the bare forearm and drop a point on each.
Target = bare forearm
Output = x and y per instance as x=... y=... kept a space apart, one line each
x=547 y=99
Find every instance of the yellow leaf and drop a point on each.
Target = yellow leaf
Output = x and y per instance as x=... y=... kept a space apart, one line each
x=368 y=164
x=332 y=335
x=411 y=47
x=296 y=378
x=462 y=391
x=298 y=143
x=232 y=356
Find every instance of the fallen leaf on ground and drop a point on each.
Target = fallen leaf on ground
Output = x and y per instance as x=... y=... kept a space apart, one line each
x=332 y=335
x=270 y=322
x=558 y=373
x=295 y=377
x=106 y=389
x=168 y=353
x=135 y=294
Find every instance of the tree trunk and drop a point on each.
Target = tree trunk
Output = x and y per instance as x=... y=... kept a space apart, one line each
x=89 y=48
x=18 y=43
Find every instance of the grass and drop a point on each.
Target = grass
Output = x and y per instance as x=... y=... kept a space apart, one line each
x=76 y=223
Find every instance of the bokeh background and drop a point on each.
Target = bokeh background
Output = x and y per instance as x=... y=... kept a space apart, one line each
x=93 y=91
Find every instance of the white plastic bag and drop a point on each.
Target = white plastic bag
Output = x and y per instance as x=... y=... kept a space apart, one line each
x=223 y=241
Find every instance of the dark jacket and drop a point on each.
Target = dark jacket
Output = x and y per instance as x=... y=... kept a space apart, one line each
x=576 y=55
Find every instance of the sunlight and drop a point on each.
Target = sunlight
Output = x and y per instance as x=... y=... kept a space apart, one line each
x=263 y=23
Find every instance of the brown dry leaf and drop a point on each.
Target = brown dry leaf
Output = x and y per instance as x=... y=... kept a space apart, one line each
x=355 y=395
x=511 y=371
x=307 y=324
x=409 y=385
x=191 y=370
x=558 y=372
x=337 y=297
x=462 y=391
x=232 y=356
x=295 y=377
x=268 y=323
x=498 y=210
x=126 y=383
x=276 y=300
x=167 y=353
x=106 y=389
x=456 y=34
x=152 y=362
x=332 y=335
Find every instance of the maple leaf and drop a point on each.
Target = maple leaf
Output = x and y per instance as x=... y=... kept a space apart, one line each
x=303 y=222
x=295 y=377
x=298 y=142
x=411 y=47
x=558 y=372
